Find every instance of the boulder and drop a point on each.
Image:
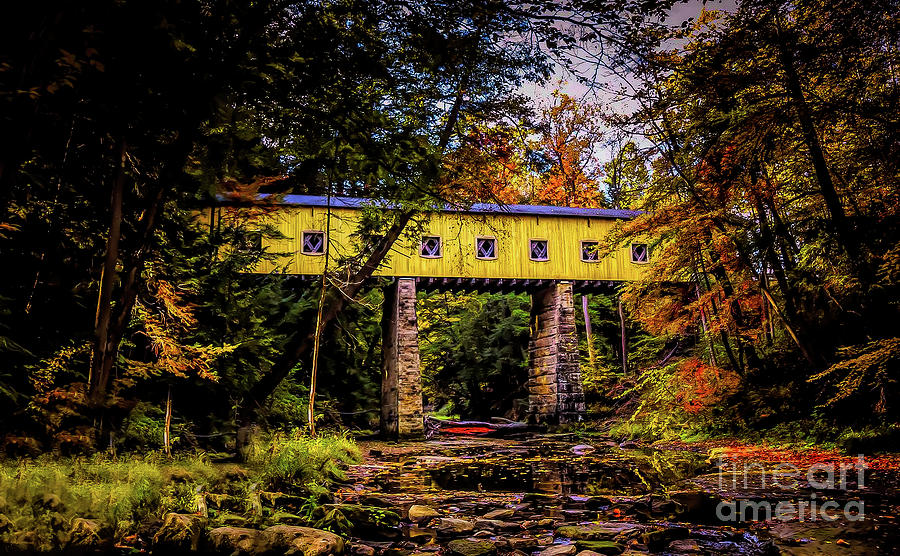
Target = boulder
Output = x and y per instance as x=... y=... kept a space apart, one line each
x=471 y=547
x=448 y=526
x=560 y=550
x=85 y=535
x=504 y=513
x=421 y=514
x=684 y=546
x=601 y=547
x=291 y=539
x=235 y=541
x=179 y=533
x=357 y=549
x=497 y=525
x=599 y=531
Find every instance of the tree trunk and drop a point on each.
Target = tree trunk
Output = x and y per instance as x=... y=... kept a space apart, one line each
x=168 y=426
x=101 y=362
x=624 y=340
x=811 y=138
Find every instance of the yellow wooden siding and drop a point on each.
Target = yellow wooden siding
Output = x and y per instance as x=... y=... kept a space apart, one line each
x=458 y=232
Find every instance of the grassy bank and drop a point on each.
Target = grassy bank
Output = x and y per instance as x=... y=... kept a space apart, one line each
x=41 y=497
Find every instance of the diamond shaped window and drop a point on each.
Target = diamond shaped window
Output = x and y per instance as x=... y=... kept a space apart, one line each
x=485 y=248
x=538 y=250
x=313 y=243
x=431 y=247
x=640 y=253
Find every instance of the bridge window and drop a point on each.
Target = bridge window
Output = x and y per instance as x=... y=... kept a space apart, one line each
x=485 y=248
x=538 y=250
x=431 y=247
x=640 y=253
x=590 y=251
x=313 y=243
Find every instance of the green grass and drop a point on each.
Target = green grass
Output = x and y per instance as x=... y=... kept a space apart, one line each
x=46 y=494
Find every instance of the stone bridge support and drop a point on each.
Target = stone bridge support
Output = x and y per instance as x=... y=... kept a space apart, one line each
x=555 y=395
x=401 y=384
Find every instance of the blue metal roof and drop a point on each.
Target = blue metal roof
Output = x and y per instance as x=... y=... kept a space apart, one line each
x=534 y=210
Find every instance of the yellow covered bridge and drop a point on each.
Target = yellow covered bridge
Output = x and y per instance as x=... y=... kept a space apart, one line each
x=547 y=251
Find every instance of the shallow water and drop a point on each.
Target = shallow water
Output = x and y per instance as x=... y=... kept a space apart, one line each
x=560 y=480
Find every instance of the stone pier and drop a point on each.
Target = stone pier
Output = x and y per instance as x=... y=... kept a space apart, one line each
x=401 y=384
x=555 y=395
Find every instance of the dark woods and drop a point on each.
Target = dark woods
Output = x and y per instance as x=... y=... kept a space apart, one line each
x=765 y=149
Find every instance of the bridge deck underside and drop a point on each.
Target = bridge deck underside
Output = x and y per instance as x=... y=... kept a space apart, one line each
x=495 y=285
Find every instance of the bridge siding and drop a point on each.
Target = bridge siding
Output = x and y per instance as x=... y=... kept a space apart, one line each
x=458 y=232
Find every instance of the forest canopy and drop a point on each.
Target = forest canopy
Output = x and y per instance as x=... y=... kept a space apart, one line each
x=761 y=145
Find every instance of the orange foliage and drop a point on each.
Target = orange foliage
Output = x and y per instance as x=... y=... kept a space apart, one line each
x=702 y=385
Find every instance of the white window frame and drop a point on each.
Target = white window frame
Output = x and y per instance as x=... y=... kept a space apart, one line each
x=531 y=251
x=496 y=248
x=440 y=247
x=581 y=250
x=303 y=250
x=646 y=251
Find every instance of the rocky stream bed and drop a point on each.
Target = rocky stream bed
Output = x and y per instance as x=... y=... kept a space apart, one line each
x=537 y=495
x=553 y=495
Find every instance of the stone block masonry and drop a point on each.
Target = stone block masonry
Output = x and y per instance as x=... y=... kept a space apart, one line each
x=555 y=394
x=401 y=385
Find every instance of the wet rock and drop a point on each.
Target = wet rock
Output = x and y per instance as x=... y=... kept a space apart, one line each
x=684 y=546
x=576 y=515
x=657 y=539
x=527 y=544
x=375 y=501
x=560 y=550
x=287 y=518
x=179 y=533
x=421 y=514
x=504 y=513
x=483 y=534
x=629 y=445
x=588 y=553
x=599 y=531
x=235 y=541
x=419 y=535
x=471 y=547
x=85 y=534
x=365 y=520
x=282 y=539
x=497 y=525
x=357 y=549
x=543 y=523
x=601 y=547
x=448 y=526
x=581 y=449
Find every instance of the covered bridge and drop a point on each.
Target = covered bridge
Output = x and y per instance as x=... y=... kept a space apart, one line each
x=550 y=252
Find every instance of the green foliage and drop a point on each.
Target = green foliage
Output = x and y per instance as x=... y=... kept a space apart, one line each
x=295 y=459
x=474 y=352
